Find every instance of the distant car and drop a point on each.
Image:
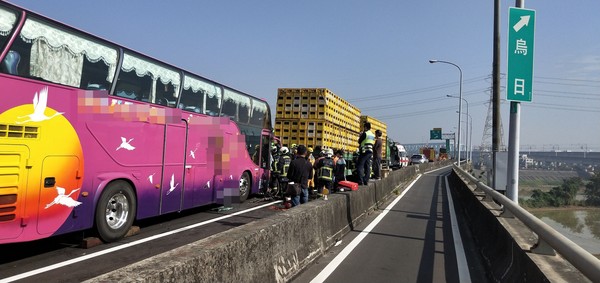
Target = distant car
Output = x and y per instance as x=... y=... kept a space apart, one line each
x=418 y=159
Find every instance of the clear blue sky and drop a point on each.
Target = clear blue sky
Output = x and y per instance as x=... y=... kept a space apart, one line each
x=374 y=54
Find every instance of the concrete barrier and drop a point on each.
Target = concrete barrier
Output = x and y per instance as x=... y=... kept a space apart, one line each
x=274 y=249
x=503 y=257
x=506 y=243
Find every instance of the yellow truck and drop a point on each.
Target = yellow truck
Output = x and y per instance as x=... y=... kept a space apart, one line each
x=316 y=117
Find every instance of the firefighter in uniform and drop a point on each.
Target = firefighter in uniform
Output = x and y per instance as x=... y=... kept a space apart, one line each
x=366 y=142
x=324 y=168
x=282 y=167
x=274 y=182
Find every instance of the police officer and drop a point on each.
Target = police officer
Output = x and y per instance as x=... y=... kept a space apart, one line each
x=365 y=142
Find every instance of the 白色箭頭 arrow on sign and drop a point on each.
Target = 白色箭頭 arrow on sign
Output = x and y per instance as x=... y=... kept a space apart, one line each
x=522 y=22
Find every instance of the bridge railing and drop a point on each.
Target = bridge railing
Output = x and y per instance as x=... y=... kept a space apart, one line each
x=549 y=240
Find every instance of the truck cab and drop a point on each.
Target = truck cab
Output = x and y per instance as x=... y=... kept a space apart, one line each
x=398 y=156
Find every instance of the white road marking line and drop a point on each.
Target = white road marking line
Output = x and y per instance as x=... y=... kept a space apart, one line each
x=127 y=245
x=435 y=170
x=461 y=260
x=326 y=272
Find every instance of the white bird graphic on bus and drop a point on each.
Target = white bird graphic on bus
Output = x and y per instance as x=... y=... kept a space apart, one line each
x=126 y=144
x=193 y=153
x=150 y=178
x=63 y=199
x=172 y=184
x=39 y=107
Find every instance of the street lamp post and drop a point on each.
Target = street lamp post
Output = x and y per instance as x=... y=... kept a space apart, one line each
x=469 y=137
x=468 y=132
x=459 y=101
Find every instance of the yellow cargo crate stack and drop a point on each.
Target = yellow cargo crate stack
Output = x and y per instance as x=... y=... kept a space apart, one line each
x=316 y=116
x=375 y=125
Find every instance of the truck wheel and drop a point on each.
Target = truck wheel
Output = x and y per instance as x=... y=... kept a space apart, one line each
x=115 y=211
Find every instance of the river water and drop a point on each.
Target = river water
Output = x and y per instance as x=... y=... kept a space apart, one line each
x=581 y=226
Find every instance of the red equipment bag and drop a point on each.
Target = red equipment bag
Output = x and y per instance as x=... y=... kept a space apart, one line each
x=351 y=185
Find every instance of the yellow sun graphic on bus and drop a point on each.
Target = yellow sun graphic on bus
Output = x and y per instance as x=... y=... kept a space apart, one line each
x=46 y=140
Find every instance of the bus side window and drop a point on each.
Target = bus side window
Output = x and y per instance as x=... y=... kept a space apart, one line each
x=201 y=96
x=57 y=54
x=127 y=87
x=23 y=49
x=191 y=101
x=244 y=113
x=11 y=60
x=165 y=94
x=95 y=75
x=10 y=64
x=135 y=81
x=229 y=109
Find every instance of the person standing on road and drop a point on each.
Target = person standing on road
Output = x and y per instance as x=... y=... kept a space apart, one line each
x=282 y=168
x=365 y=142
x=377 y=155
x=299 y=172
x=311 y=182
x=340 y=169
x=274 y=182
x=324 y=168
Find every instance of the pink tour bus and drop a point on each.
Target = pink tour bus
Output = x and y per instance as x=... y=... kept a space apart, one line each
x=96 y=135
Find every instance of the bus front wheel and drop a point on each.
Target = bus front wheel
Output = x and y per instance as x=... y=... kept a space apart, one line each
x=115 y=211
x=245 y=186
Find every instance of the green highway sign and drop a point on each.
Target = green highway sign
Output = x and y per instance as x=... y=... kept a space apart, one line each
x=521 y=27
x=435 y=134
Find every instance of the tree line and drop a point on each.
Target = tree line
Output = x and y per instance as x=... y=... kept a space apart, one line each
x=565 y=194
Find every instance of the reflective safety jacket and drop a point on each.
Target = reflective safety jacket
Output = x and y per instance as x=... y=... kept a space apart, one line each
x=275 y=164
x=368 y=142
x=284 y=164
x=325 y=169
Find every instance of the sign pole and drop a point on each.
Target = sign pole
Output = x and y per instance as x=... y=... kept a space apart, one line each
x=512 y=190
x=519 y=85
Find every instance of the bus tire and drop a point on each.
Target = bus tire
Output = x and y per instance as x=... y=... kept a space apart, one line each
x=115 y=211
x=245 y=185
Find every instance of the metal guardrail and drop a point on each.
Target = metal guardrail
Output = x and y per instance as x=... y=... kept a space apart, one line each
x=584 y=261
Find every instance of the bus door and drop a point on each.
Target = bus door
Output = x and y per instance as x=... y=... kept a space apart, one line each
x=173 y=168
x=266 y=158
x=198 y=178
x=13 y=190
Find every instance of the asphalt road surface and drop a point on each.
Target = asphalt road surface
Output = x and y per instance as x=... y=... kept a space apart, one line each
x=60 y=259
x=414 y=238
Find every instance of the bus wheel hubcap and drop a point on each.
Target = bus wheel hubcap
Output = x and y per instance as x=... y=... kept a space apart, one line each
x=117 y=210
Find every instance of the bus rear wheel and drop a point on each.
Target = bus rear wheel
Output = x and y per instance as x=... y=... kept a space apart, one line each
x=115 y=211
x=245 y=187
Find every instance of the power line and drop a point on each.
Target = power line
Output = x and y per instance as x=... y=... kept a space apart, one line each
x=570 y=97
x=436 y=111
x=571 y=92
x=572 y=80
x=564 y=107
x=413 y=91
